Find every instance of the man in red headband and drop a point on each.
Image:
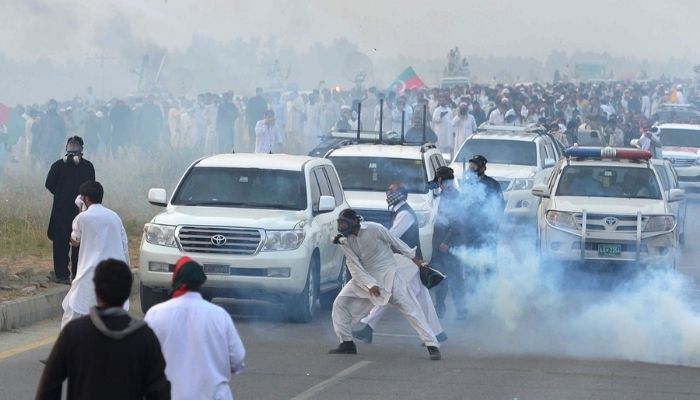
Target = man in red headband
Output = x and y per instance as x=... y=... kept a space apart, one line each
x=193 y=331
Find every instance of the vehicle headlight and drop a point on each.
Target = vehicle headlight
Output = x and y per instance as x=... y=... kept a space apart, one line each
x=660 y=223
x=560 y=219
x=283 y=240
x=162 y=235
x=522 y=184
x=423 y=218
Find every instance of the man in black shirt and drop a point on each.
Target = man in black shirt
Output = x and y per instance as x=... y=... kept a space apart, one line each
x=106 y=355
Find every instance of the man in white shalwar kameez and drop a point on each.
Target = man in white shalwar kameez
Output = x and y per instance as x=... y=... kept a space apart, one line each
x=101 y=235
x=200 y=343
x=375 y=281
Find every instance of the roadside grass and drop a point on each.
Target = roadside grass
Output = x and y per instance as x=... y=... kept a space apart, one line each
x=25 y=204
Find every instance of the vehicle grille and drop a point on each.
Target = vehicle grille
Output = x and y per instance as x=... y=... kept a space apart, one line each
x=378 y=216
x=682 y=162
x=596 y=222
x=200 y=239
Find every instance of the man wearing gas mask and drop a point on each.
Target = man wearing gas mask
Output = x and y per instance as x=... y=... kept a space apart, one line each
x=375 y=281
x=447 y=238
x=404 y=225
x=63 y=181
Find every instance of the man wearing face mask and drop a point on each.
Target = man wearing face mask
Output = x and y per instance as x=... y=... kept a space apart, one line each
x=404 y=225
x=483 y=197
x=63 y=181
x=375 y=281
x=447 y=238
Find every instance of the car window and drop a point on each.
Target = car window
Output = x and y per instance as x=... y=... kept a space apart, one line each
x=335 y=185
x=608 y=181
x=674 y=180
x=680 y=137
x=315 y=191
x=323 y=183
x=543 y=153
x=661 y=171
x=375 y=174
x=548 y=149
x=499 y=151
x=242 y=187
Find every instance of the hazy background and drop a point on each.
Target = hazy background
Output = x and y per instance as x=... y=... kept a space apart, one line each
x=59 y=47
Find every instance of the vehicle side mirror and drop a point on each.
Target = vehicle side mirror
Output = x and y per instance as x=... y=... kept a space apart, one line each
x=549 y=162
x=157 y=197
x=675 y=195
x=540 y=191
x=326 y=204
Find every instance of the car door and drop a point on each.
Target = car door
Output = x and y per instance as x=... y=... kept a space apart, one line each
x=335 y=254
x=326 y=223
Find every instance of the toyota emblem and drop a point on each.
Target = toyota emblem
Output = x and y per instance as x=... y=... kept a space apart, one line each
x=218 y=240
x=610 y=221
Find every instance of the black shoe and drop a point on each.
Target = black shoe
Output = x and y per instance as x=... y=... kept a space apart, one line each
x=441 y=337
x=62 y=281
x=434 y=353
x=364 y=334
x=345 y=348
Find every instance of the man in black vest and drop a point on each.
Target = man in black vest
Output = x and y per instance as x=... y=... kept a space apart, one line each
x=404 y=225
x=63 y=181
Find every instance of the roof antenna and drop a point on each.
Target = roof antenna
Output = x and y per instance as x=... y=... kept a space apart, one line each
x=359 y=114
x=403 y=121
x=425 y=111
x=381 y=118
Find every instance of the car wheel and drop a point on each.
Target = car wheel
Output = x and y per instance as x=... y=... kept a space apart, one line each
x=301 y=308
x=326 y=299
x=150 y=297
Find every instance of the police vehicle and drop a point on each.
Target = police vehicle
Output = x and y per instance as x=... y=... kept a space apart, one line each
x=607 y=205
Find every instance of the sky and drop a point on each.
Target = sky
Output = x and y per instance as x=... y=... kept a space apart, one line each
x=69 y=30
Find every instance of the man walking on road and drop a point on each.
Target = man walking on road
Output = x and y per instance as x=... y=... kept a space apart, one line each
x=63 y=181
x=201 y=345
x=100 y=233
x=106 y=355
x=375 y=281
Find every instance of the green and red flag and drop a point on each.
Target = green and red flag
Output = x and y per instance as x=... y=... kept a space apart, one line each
x=408 y=79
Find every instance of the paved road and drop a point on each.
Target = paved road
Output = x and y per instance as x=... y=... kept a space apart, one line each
x=289 y=361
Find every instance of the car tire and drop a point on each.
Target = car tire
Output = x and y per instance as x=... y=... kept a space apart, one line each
x=150 y=297
x=326 y=299
x=301 y=308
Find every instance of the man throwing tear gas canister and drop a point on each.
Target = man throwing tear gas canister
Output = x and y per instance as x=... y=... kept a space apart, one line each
x=375 y=281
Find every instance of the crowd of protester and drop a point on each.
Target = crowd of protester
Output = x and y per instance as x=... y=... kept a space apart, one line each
x=222 y=122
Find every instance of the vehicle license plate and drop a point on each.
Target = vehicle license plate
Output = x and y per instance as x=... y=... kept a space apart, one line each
x=609 y=250
x=216 y=269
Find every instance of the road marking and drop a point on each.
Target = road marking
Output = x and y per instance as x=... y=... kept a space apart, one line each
x=27 y=347
x=309 y=393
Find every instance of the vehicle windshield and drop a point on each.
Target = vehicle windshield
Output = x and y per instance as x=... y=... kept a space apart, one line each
x=680 y=137
x=607 y=181
x=518 y=152
x=375 y=174
x=242 y=187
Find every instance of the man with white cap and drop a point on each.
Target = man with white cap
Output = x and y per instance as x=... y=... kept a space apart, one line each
x=464 y=125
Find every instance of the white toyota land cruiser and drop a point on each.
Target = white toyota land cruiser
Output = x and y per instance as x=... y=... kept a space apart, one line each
x=605 y=204
x=517 y=156
x=367 y=170
x=261 y=224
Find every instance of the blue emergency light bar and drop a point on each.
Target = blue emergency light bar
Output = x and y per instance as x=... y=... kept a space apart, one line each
x=607 y=152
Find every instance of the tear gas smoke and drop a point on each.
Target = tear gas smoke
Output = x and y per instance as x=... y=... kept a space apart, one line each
x=517 y=305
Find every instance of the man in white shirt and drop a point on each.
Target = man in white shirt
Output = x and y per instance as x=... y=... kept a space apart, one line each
x=498 y=116
x=100 y=234
x=199 y=340
x=401 y=110
x=464 y=125
x=442 y=124
x=404 y=226
x=375 y=281
x=267 y=134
